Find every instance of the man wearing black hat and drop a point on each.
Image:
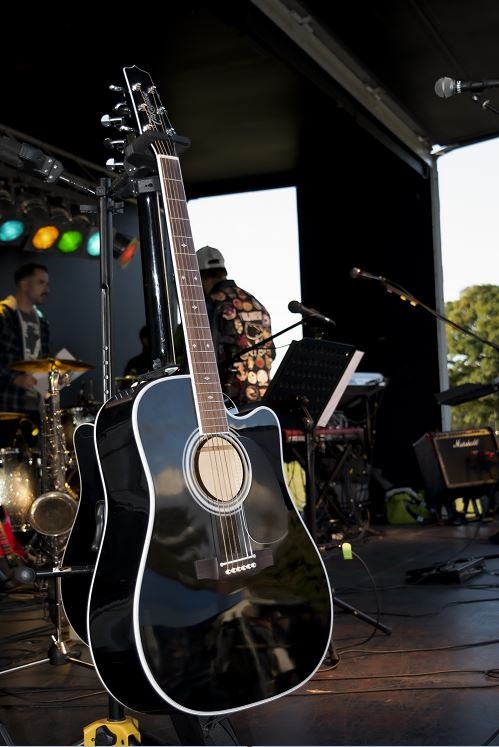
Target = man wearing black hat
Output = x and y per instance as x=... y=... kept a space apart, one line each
x=238 y=322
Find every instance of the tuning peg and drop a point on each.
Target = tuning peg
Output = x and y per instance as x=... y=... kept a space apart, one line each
x=111 y=144
x=114 y=87
x=112 y=164
x=107 y=121
x=123 y=106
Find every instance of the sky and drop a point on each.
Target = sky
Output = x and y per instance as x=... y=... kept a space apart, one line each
x=257 y=232
x=469 y=209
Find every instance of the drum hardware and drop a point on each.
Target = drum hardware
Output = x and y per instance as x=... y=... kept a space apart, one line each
x=123 y=382
x=72 y=417
x=51 y=366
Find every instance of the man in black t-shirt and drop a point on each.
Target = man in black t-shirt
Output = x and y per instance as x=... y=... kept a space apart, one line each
x=24 y=335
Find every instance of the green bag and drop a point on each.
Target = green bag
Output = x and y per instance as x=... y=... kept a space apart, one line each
x=405 y=506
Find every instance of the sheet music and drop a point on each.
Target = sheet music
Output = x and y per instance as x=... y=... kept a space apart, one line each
x=42 y=379
x=364 y=378
x=342 y=385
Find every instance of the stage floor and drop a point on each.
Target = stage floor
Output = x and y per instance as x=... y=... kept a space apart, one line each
x=423 y=680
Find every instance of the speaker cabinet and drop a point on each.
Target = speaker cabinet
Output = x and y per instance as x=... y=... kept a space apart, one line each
x=457 y=461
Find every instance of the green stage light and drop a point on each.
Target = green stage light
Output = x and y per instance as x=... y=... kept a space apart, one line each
x=71 y=230
x=70 y=241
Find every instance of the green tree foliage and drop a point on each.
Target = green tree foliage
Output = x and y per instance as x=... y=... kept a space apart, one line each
x=472 y=361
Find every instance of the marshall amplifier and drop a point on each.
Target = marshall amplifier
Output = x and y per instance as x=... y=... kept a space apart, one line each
x=457 y=460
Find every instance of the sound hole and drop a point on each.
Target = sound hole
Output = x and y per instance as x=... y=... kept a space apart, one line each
x=219 y=469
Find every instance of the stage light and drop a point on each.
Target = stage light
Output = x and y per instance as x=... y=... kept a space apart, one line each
x=44 y=231
x=72 y=230
x=124 y=249
x=12 y=226
x=57 y=227
x=49 y=223
x=92 y=244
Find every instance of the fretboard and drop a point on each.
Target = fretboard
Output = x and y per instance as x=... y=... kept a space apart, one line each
x=197 y=333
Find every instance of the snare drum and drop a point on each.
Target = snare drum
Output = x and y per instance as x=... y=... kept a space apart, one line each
x=72 y=418
x=20 y=482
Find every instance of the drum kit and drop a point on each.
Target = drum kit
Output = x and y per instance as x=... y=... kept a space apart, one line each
x=39 y=488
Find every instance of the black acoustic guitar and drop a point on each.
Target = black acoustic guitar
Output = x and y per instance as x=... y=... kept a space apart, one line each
x=209 y=594
x=83 y=541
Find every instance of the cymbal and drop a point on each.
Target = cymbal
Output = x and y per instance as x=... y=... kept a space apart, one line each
x=12 y=415
x=128 y=377
x=44 y=365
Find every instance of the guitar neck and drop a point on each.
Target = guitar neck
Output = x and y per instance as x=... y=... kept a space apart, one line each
x=151 y=118
x=197 y=333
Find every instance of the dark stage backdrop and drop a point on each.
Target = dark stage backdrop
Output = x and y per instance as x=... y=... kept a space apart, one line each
x=371 y=209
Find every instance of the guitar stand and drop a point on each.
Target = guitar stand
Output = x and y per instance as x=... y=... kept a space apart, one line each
x=117 y=728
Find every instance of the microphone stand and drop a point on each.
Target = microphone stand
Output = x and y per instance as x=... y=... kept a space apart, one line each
x=485 y=104
x=268 y=339
x=404 y=295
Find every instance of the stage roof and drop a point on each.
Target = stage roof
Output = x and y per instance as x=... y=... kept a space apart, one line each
x=237 y=77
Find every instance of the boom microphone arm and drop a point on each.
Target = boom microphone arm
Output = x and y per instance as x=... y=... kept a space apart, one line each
x=405 y=295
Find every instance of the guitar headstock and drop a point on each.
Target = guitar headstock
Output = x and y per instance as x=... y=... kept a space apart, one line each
x=145 y=103
x=140 y=114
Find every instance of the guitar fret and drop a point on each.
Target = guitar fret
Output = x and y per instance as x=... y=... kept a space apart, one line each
x=197 y=332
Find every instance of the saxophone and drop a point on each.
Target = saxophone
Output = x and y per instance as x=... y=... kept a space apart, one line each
x=52 y=514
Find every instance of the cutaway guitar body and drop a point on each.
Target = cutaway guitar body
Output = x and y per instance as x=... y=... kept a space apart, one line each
x=211 y=608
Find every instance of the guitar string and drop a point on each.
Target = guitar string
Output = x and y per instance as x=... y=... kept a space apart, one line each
x=222 y=468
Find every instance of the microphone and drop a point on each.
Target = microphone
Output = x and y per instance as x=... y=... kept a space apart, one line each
x=298 y=308
x=356 y=272
x=25 y=574
x=446 y=87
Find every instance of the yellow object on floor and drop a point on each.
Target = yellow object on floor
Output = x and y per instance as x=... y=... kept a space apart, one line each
x=469 y=506
x=296 y=481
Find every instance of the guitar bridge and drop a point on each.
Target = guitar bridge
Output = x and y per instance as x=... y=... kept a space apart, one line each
x=214 y=570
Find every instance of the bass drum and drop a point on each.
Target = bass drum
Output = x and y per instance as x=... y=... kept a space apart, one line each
x=20 y=481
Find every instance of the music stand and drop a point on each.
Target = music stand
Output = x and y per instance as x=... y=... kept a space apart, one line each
x=304 y=393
